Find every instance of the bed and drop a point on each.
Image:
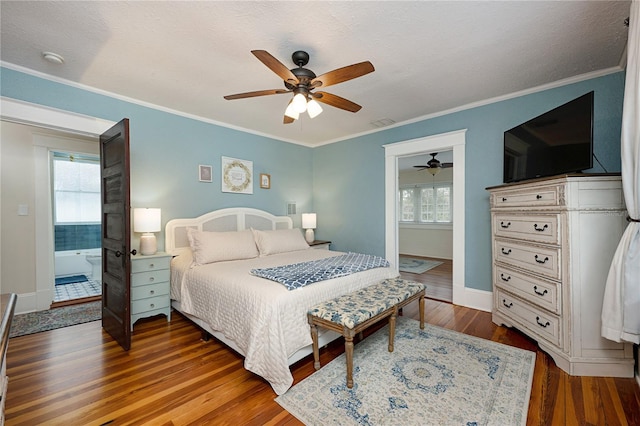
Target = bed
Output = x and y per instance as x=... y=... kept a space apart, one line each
x=213 y=285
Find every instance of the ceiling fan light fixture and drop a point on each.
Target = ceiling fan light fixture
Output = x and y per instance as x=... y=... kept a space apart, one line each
x=299 y=103
x=313 y=108
x=433 y=170
x=291 y=112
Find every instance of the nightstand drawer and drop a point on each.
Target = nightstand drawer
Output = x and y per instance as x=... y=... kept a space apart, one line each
x=150 y=304
x=537 y=321
x=543 y=293
x=151 y=264
x=145 y=291
x=541 y=228
x=145 y=278
x=538 y=259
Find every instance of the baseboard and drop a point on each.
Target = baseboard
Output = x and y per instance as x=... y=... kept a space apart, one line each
x=472 y=298
x=27 y=302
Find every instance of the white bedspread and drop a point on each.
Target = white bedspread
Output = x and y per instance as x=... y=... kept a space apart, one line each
x=266 y=321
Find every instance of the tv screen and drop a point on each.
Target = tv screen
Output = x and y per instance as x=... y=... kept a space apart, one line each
x=556 y=142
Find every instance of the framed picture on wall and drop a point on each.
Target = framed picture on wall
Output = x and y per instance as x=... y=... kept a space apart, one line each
x=237 y=176
x=205 y=173
x=265 y=181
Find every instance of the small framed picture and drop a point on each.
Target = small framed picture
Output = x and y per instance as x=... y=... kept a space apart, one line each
x=205 y=173
x=265 y=181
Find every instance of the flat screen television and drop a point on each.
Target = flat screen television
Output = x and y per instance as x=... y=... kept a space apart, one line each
x=556 y=142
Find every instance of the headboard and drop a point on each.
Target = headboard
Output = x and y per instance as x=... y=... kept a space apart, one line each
x=231 y=219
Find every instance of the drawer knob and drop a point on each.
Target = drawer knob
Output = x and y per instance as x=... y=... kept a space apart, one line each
x=507 y=305
x=544 y=325
x=541 y=261
x=504 y=199
x=153 y=305
x=154 y=292
x=505 y=252
x=505 y=279
x=539 y=293
x=151 y=279
x=505 y=226
x=535 y=226
x=538 y=197
x=151 y=265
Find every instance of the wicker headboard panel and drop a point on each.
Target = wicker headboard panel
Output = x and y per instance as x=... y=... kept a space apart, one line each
x=224 y=220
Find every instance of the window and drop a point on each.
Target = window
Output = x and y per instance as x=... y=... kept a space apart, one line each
x=76 y=189
x=427 y=203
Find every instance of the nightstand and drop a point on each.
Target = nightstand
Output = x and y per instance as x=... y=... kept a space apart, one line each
x=150 y=286
x=320 y=245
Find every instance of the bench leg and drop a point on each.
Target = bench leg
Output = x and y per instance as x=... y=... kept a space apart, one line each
x=348 y=350
x=392 y=328
x=421 y=307
x=316 y=351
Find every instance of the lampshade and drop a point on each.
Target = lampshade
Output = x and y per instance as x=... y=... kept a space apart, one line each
x=291 y=111
x=309 y=220
x=146 y=220
x=313 y=108
x=299 y=103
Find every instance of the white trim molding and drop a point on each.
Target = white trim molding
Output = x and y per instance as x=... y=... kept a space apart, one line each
x=455 y=141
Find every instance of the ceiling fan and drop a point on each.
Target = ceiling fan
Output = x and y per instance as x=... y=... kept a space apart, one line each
x=433 y=166
x=302 y=82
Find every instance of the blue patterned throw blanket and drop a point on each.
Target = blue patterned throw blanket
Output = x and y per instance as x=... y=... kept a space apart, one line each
x=299 y=275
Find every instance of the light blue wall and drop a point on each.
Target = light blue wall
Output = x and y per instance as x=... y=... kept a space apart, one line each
x=345 y=179
x=166 y=150
x=348 y=176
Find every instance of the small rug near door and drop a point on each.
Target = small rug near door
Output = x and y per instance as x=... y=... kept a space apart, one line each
x=71 y=279
x=416 y=266
x=35 y=322
x=433 y=377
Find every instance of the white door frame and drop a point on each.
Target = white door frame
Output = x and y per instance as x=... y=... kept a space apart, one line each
x=20 y=112
x=444 y=142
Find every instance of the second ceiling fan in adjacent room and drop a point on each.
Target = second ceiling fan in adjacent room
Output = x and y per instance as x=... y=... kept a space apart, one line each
x=302 y=82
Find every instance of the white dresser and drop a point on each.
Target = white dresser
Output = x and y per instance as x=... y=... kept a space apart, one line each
x=150 y=286
x=553 y=240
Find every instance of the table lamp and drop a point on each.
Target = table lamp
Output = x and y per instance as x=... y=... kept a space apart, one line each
x=147 y=221
x=309 y=223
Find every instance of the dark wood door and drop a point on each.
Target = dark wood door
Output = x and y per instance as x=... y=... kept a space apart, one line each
x=116 y=231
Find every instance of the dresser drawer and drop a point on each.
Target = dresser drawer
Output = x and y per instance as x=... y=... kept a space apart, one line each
x=151 y=277
x=533 y=319
x=151 y=264
x=542 y=293
x=152 y=290
x=538 y=259
x=527 y=197
x=541 y=228
x=149 y=304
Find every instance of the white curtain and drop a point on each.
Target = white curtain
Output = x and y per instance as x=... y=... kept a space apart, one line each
x=621 y=305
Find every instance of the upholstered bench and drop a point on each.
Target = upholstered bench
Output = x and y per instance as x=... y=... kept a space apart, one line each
x=354 y=312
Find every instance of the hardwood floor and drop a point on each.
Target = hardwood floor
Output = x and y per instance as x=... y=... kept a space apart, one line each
x=79 y=376
x=439 y=280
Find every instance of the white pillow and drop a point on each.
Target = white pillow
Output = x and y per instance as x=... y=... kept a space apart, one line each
x=279 y=241
x=209 y=247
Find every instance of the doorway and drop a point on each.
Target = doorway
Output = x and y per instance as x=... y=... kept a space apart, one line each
x=425 y=221
x=454 y=141
x=75 y=198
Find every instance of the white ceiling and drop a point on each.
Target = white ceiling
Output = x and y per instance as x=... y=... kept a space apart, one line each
x=429 y=56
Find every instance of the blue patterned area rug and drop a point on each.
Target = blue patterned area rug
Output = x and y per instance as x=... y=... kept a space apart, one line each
x=416 y=266
x=434 y=377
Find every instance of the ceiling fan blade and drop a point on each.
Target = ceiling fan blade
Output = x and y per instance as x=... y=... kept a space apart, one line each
x=421 y=167
x=336 y=101
x=445 y=165
x=275 y=65
x=287 y=120
x=256 y=93
x=343 y=74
